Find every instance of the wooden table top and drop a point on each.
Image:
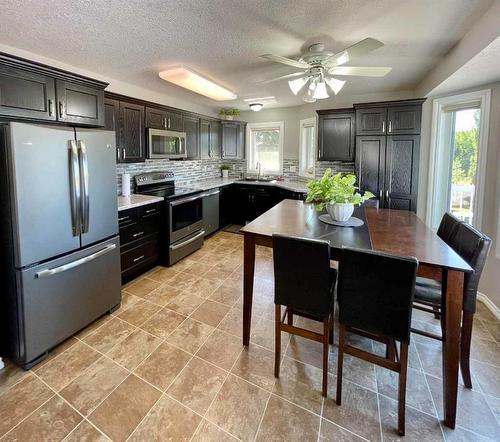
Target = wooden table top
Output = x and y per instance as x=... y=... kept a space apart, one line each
x=393 y=231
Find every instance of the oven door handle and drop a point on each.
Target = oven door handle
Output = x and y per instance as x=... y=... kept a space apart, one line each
x=189 y=241
x=185 y=200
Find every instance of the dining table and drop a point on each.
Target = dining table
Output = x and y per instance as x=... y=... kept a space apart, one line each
x=399 y=232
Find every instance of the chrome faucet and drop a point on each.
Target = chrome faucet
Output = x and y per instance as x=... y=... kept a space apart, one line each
x=257 y=166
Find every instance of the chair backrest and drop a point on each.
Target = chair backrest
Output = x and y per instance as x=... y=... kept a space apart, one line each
x=302 y=274
x=375 y=292
x=372 y=202
x=473 y=246
x=448 y=227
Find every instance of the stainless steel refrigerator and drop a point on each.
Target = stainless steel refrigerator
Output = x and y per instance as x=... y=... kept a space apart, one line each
x=59 y=235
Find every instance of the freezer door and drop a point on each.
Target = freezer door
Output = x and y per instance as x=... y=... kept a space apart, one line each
x=44 y=190
x=99 y=211
x=64 y=295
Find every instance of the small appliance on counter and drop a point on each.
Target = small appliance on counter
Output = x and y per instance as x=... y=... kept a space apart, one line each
x=181 y=215
x=125 y=184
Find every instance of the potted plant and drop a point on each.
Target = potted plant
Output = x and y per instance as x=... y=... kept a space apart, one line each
x=225 y=168
x=337 y=194
x=229 y=114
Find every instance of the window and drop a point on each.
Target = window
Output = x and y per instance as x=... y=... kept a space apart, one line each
x=265 y=147
x=458 y=157
x=307 y=148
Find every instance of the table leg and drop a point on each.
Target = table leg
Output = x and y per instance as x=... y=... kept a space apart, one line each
x=248 y=273
x=454 y=281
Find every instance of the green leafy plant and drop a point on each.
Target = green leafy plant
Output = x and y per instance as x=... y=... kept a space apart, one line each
x=225 y=167
x=338 y=188
x=231 y=112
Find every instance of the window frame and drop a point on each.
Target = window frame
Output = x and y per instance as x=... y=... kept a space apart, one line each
x=438 y=108
x=307 y=122
x=280 y=125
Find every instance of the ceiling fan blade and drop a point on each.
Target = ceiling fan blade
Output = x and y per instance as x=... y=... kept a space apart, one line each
x=283 y=77
x=360 y=71
x=356 y=50
x=287 y=61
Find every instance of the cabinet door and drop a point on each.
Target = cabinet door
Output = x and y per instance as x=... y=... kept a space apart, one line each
x=370 y=162
x=336 y=138
x=79 y=104
x=401 y=172
x=216 y=139
x=175 y=121
x=371 y=121
x=112 y=121
x=230 y=140
x=240 y=148
x=26 y=95
x=191 y=127
x=262 y=199
x=404 y=120
x=132 y=133
x=204 y=141
x=156 y=118
x=227 y=212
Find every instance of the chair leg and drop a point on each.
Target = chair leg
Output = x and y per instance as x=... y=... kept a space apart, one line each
x=465 y=340
x=390 y=350
x=403 y=360
x=277 y=338
x=290 y=316
x=326 y=348
x=331 y=324
x=437 y=314
x=340 y=364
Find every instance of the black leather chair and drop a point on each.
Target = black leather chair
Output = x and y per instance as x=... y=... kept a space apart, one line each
x=473 y=246
x=304 y=283
x=375 y=295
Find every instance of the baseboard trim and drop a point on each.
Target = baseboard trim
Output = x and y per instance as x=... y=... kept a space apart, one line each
x=489 y=304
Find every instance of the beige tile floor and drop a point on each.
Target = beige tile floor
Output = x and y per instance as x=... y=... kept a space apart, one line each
x=170 y=365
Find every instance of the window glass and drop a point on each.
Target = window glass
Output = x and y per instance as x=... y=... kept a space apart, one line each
x=265 y=147
x=307 y=156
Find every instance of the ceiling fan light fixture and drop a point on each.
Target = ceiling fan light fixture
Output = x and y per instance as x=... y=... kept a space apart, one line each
x=320 y=91
x=309 y=96
x=335 y=85
x=297 y=84
x=188 y=79
x=256 y=107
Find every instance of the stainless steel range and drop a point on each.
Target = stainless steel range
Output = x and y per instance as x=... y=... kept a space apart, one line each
x=182 y=214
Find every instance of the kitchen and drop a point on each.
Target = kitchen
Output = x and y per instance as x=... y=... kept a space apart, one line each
x=138 y=223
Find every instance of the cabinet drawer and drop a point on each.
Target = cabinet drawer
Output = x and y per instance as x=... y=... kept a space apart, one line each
x=148 y=211
x=127 y=218
x=144 y=253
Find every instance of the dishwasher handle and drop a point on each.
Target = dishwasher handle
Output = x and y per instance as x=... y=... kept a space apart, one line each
x=216 y=192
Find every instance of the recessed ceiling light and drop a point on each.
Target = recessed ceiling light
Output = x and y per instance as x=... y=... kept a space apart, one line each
x=256 y=107
x=188 y=79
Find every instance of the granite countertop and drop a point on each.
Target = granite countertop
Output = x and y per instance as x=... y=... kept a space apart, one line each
x=136 y=200
x=293 y=185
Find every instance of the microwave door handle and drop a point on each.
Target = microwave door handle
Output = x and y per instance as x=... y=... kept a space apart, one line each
x=84 y=176
x=74 y=172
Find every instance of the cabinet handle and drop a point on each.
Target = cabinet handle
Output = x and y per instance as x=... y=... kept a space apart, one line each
x=380 y=194
x=169 y=122
x=150 y=210
x=118 y=153
x=139 y=258
x=390 y=127
x=135 y=235
x=51 y=107
x=387 y=195
x=383 y=126
x=123 y=218
x=124 y=154
x=61 y=109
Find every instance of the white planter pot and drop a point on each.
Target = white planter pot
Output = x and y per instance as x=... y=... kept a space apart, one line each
x=225 y=173
x=229 y=117
x=340 y=211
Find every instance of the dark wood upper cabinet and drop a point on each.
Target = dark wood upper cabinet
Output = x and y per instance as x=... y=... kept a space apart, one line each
x=112 y=121
x=233 y=139
x=26 y=94
x=336 y=135
x=371 y=121
x=79 y=104
x=204 y=140
x=156 y=118
x=175 y=121
x=191 y=127
x=216 y=139
x=404 y=120
x=132 y=134
x=401 y=172
x=210 y=139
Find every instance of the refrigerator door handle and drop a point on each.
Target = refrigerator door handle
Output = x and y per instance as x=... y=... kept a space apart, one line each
x=74 y=170
x=73 y=264
x=84 y=177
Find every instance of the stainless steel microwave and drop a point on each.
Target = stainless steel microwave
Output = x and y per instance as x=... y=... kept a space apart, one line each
x=166 y=144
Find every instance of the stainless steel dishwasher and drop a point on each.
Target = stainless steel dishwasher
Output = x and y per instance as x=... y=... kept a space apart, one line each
x=211 y=211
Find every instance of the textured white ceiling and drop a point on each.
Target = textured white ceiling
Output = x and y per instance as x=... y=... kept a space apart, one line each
x=222 y=39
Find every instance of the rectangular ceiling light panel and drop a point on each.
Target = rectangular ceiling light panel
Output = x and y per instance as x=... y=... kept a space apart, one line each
x=188 y=79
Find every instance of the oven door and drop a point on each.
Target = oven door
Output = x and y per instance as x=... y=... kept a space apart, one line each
x=166 y=144
x=185 y=217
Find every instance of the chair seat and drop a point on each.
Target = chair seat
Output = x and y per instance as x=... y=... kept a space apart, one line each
x=428 y=294
x=426 y=282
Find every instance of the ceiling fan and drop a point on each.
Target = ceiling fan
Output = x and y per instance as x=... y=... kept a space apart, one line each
x=321 y=65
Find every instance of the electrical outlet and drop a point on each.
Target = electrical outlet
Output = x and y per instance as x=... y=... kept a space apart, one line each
x=293 y=169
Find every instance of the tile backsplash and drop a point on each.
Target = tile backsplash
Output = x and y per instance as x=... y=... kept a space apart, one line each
x=188 y=171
